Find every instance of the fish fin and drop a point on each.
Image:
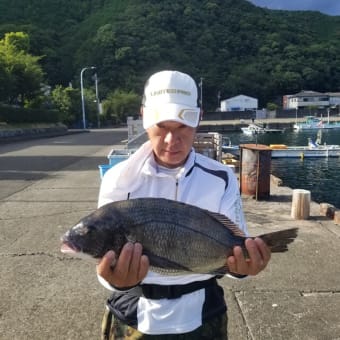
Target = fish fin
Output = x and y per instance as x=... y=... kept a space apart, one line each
x=278 y=241
x=220 y=271
x=164 y=263
x=228 y=223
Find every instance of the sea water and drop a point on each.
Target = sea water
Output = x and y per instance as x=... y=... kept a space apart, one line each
x=319 y=175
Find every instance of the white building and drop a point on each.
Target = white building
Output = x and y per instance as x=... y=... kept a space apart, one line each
x=305 y=99
x=334 y=99
x=239 y=103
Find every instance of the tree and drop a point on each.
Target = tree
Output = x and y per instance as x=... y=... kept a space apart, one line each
x=67 y=101
x=272 y=106
x=17 y=40
x=233 y=45
x=22 y=70
x=119 y=105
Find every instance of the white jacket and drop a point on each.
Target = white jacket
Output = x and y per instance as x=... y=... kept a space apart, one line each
x=203 y=182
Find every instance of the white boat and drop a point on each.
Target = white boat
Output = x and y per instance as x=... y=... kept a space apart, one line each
x=232 y=149
x=313 y=149
x=324 y=151
x=228 y=147
x=315 y=123
x=253 y=129
x=284 y=151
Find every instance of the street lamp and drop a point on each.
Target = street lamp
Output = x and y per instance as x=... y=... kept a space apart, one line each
x=82 y=92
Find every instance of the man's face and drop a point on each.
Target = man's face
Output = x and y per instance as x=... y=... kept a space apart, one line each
x=171 y=142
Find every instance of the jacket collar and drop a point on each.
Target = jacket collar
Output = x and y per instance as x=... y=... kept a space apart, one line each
x=150 y=166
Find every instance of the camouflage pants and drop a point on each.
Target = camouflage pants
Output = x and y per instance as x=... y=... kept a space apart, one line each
x=214 y=329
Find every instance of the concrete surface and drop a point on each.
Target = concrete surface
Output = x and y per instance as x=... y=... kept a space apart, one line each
x=298 y=295
x=13 y=134
x=46 y=185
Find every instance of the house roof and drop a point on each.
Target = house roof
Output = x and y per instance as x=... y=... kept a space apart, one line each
x=241 y=96
x=333 y=94
x=306 y=94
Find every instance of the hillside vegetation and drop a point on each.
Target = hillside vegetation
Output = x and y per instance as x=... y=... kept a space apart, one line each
x=235 y=47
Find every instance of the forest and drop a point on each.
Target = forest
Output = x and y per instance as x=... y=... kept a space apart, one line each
x=232 y=46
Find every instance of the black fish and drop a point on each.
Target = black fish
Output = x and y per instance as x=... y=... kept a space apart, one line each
x=178 y=238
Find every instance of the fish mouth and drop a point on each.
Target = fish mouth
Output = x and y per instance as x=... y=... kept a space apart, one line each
x=70 y=249
x=67 y=248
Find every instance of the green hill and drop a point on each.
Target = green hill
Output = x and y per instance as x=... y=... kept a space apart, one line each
x=233 y=45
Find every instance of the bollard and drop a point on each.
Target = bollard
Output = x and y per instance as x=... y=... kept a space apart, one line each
x=327 y=209
x=337 y=217
x=300 y=204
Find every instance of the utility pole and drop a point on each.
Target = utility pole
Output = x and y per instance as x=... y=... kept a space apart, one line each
x=296 y=114
x=201 y=96
x=97 y=100
x=82 y=93
x=218 y=99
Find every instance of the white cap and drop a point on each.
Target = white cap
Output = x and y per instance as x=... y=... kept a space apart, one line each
x=170 y=95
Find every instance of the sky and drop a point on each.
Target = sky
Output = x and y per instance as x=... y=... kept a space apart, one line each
x=330 y=7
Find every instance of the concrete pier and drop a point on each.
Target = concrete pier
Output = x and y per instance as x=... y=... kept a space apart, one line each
x=47 y=185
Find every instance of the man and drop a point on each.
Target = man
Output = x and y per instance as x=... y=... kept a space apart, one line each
x=183 y=306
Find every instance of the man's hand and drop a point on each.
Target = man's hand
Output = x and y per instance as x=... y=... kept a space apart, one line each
x=129 y=269
x=259 y=256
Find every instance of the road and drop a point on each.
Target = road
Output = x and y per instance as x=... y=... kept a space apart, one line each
x=47 y=185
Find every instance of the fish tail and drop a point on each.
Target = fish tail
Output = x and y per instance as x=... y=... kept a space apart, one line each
x=278 y=241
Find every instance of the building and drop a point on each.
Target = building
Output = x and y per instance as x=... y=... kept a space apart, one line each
x=239 y=103
x=334 y=99
x=306 y=99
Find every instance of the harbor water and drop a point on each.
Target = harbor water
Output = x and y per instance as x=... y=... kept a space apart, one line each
x=319 y=175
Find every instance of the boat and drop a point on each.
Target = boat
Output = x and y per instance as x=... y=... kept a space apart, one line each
x=305 y=151
x=253 y=129
x=228 y=147
x=315 y=123
x=313 y=149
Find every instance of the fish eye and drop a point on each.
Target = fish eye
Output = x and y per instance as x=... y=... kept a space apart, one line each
x=81 y=229
x=89 y=229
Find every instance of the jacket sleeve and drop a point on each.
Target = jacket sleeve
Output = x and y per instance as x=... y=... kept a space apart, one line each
x=108 y=189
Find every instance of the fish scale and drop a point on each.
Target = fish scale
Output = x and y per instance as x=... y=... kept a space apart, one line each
x=162 y=239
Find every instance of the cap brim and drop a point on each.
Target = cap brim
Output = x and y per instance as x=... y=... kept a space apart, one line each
x=186 y=115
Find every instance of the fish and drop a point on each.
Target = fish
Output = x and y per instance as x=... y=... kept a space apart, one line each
x=177 y=237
